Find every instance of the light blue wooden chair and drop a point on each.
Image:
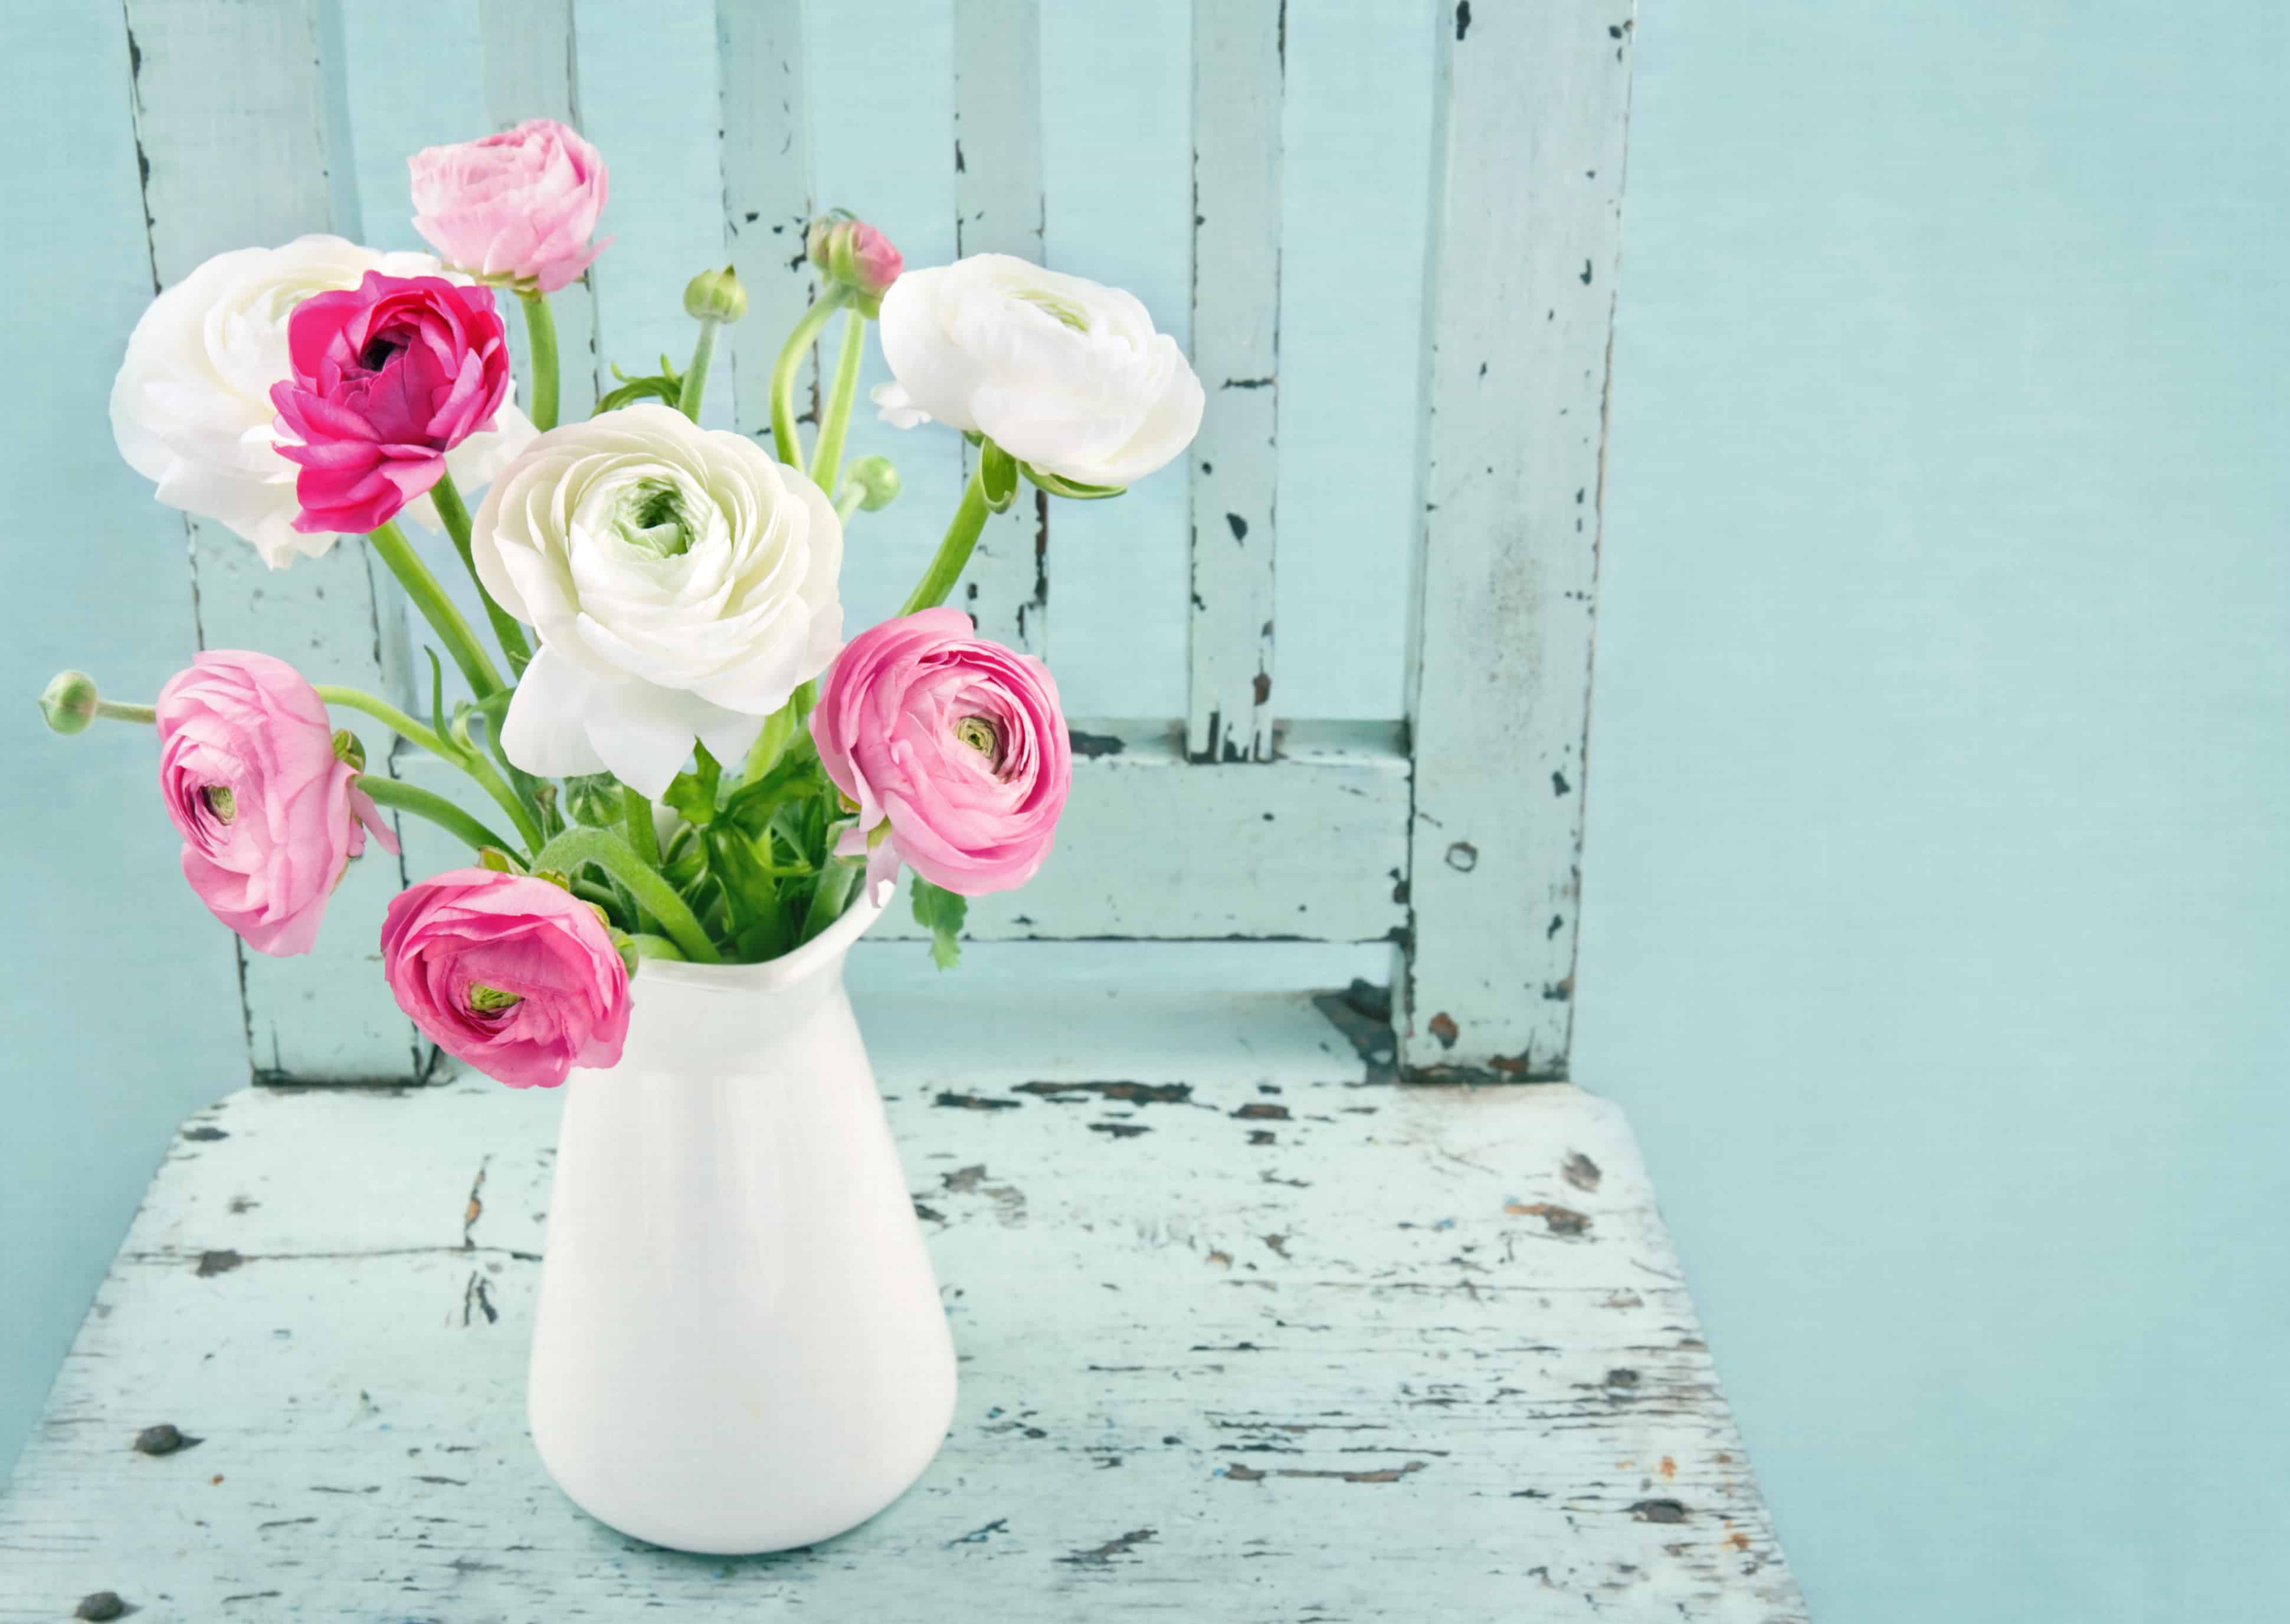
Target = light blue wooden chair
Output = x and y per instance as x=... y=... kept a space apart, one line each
x=1334 y=1348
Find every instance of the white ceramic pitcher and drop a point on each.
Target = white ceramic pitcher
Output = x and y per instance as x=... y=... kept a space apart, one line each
x=740 y=1345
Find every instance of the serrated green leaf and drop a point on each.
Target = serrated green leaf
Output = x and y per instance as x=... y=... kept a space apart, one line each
x=941 y=913
x=692 y=795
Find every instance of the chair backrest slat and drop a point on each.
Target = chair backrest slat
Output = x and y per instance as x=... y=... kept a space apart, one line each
x=999 y=209
x=1519 y=306
x=532 y=71
x=1239 y=78
x=237 y=91
x=767 y=197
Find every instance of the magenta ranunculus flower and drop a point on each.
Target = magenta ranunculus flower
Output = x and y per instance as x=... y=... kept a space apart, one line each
x=388 y=377
x=270 y=818
x=514 y=975
x=956 y=741
x=519 y=205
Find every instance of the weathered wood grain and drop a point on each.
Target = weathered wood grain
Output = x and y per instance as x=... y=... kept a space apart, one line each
x=767 y=195
x=532 y=70
x=999 y=209
x=1272 y=1339
x=1526 y=215
x=1149 y=846
x=1239 y=75
x=238 y=150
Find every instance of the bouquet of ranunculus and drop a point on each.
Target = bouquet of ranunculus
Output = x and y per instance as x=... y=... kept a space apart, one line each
x=687 y=759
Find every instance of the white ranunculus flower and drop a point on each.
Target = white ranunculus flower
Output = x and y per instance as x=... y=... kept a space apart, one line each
x=683 y=584
x=191 y=407
x=1065 y=374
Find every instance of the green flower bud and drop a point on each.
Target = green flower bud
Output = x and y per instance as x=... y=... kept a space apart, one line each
x=847 y=250
x=876 y=479
x=68 y=701
x=348 y=749
x=716 y=295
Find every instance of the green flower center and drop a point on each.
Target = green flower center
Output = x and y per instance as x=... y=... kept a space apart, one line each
x=491 y=1000
x=1063 y=309
x=650 y=519
x=982 y=735
x=220 y=802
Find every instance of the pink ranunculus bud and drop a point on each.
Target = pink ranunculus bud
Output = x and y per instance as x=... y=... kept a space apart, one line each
x=388 y=377
x=512 y=974
x=958 y=742
x=850 y=252
x=518 y=206
x=269 y=816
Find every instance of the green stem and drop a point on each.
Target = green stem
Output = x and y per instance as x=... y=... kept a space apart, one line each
x=506 y=632
x=653 y=893
x=112 y=710
x=540 y=335
x=436 y=608
x=475 y=765
x=827 y=461
x=695 y=376
x=437 y=808
x=785 y=446
x=832 y=896
x=946 y=565
x=847 y=504
x=656 y=946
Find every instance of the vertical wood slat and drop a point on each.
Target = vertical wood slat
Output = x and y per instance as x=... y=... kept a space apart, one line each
x=999 y=209
x=532 y=70
x=1239 y=82
x=231 y=123
x=767 y=195
x=1525 y=241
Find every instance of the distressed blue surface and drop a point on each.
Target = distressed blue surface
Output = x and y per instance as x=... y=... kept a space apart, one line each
x=1935 y=919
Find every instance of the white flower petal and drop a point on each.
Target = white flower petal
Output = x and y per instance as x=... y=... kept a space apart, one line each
x=546 y=732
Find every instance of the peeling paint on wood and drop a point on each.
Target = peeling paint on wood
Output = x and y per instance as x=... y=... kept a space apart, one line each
x=999 y=209
x=768 y=200
x=228 y=104
x=1411 y=1407
x=1526 y=204
x=532 y=71
x=1240 y=79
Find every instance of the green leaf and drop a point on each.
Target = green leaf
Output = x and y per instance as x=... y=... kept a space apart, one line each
x=437 y=694
x=692 y=795
x=666 y=385
x=941 y=913
x=1057 y=486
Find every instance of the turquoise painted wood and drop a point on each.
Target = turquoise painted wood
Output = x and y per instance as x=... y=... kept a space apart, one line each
x=238 y=148
x=1240 y=70
x=1456 y=836
x=999 y=208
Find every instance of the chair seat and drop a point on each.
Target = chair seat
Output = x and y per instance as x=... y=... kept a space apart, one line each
x=1247 y=1332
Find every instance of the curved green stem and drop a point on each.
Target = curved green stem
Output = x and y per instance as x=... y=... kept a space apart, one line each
x=827 y=461
x=540 y=335
x=115 y=710
x=785 y=446
x=695 y=376
x=506 y=632
x=653 y=893
x=946 y=565
x=436 y=608
x=437 y=808
x=475 y=765
x=656 y=946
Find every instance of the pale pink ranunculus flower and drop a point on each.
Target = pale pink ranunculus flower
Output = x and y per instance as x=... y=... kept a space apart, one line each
x=270 y=818
x=953 y=740
x=520 y=206
x=514 y=975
